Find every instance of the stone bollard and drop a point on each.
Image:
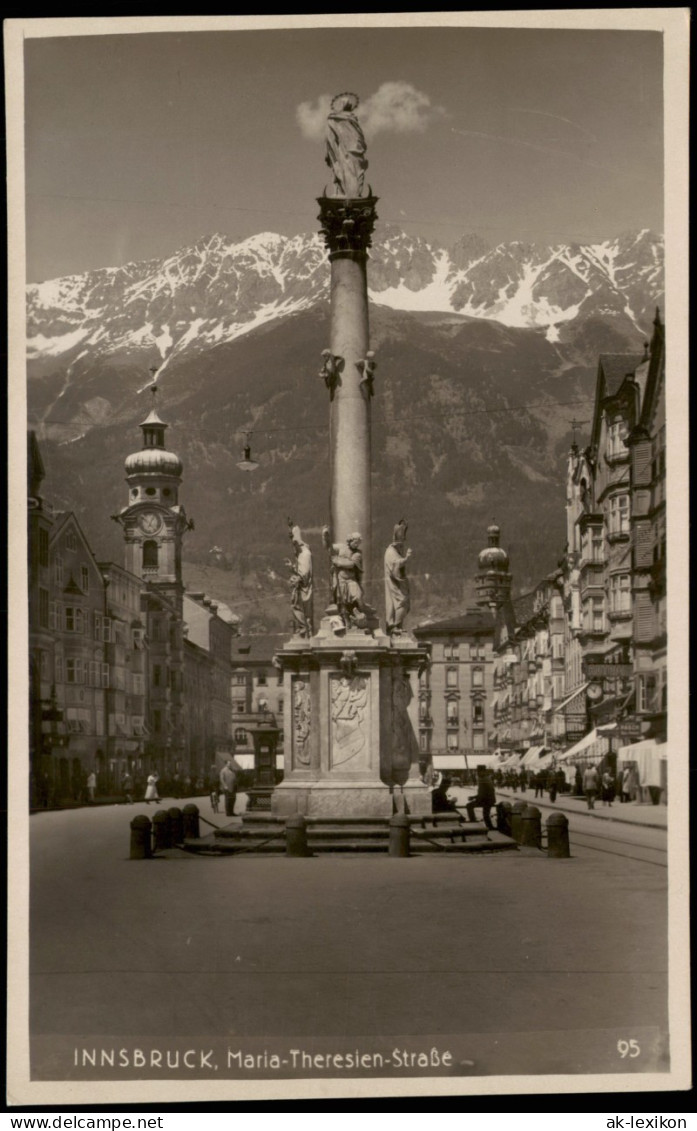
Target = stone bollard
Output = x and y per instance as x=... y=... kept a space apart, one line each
x=400 y=828
x=140 y=838
x=296 y=837
x=161 y=830
x=531 y=827
x=558 y=836
x=504 y=811
x=516 y=820
x=176 y=827
x=190 y=822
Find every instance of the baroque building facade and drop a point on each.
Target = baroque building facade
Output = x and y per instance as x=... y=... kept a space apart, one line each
x=128 y=673
x=455 y=690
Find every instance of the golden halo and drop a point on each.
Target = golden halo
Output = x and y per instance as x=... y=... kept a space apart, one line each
x=352 y=98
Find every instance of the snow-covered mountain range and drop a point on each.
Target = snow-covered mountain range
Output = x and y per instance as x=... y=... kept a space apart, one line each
x=485 y=355
x=220 y=288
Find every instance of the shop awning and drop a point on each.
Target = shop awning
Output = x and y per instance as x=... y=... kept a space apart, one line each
x=513 y=760
x=448 y=762
x=574 y=694
x=591 y=748
x=647 y=755
x=535 y=757
x=607 y=729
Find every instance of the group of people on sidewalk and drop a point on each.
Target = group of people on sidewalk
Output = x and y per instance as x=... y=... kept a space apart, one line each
x=605 y=785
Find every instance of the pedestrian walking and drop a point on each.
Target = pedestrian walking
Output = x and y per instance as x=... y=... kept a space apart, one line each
x=608 y=788
x=151 y=793
x=552 y=780
x=485 y=796
x=127 y=787
x=590 y=786
x=625 y=785
x=228 y=784
x=91 y=787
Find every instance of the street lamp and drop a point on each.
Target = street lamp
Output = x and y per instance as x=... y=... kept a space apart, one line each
x=247 y=463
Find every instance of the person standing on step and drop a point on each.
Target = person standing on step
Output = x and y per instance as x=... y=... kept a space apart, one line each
x=485 y=796
x=228 y=784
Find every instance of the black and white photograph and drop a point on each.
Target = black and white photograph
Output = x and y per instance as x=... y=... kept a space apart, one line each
x=348 y=743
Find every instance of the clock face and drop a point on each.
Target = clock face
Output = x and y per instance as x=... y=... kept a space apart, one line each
x=594 y=691
x=150 y=522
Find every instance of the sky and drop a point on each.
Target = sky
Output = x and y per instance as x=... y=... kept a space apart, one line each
x=138 y=145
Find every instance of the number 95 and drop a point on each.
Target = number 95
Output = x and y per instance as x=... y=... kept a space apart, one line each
x=628 y=1048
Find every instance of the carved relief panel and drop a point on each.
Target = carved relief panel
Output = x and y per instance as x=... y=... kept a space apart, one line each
x=349 y=747
x=302 y=721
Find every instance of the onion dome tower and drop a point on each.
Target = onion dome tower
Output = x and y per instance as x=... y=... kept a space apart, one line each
x=154 y=522
x=493 y=581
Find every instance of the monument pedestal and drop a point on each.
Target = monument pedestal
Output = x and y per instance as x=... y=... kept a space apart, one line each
x=350 y=723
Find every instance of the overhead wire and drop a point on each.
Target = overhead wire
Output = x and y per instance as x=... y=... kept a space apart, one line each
x=223 y=207
x=261 y=431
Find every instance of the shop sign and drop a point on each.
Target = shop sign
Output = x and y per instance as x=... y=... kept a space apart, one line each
x=630 y=730
x=608 y=671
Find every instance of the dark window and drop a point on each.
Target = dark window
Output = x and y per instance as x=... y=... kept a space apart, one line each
x=43 y=608
x=43 y=547
x=156 y=675
x=150 y=554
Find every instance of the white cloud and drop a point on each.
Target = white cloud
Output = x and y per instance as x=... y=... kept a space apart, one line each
x=312 y=117
x=395 y=106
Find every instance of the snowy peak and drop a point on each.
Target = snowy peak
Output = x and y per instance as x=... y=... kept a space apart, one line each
x=220 y=288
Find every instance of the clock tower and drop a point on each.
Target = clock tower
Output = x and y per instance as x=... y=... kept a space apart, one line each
x=154 y=522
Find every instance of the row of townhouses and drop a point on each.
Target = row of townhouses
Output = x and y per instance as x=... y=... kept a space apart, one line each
x=575 y=670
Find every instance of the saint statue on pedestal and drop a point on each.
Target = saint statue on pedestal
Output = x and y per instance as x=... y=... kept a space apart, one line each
x=397 y=599
x=300 y=584
x=347 y=579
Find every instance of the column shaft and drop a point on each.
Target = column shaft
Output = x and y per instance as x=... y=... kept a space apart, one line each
x=350 y=407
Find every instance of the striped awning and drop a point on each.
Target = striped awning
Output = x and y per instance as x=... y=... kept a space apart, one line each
x=574 y=694
x=533 y=756
x=590 y=748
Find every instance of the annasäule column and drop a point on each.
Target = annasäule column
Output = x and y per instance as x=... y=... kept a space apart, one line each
x=350 y=689
x=348 y=218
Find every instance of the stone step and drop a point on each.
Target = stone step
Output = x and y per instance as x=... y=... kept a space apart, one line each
x=231 y=845
x=349 y=830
